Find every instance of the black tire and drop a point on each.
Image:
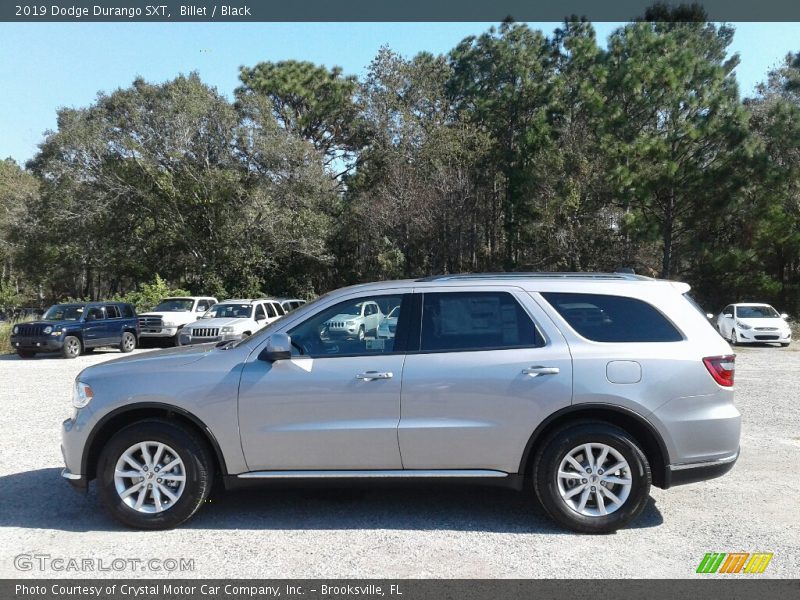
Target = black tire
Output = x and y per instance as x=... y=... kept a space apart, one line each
x=559 y=444
x=733 y=339
x=175 y=340
x=128 y=342
x=72 y=347
x=189 y=447
x=26 y=353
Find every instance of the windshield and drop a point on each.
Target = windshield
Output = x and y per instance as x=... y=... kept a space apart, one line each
x=175 y=305
x=229 y=311
x=64 y=312
x=756 y=312
x=352 y=310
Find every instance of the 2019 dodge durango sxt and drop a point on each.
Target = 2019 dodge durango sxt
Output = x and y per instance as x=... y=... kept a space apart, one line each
x=590 y=387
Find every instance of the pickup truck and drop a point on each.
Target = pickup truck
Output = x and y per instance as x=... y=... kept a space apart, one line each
x=77 y=328
x=171 y=315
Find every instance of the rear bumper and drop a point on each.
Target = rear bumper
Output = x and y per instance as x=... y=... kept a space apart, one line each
x=690 y=473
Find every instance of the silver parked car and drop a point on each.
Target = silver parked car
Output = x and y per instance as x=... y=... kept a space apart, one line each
x=590 y=387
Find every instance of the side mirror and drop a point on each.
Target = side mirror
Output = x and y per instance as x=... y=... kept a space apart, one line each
x=784 y=316
x=728 y=315
x=279 y=347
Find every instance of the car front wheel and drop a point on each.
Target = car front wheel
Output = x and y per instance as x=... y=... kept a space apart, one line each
x=592 y=478
x=154 y=475
x=72 y=347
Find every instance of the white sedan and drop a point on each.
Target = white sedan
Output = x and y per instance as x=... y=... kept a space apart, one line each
x=752 y=323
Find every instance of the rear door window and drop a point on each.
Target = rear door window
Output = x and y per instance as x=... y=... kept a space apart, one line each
x=605 y=318
x=464 y=321
x=270 y=310
x=111 y=311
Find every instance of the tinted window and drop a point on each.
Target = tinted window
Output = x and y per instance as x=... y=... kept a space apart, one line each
x=270 y=310
x=603 y=318
x=127 y=310
x=341 y=330
x=475 y=321
x=260 y=313
x=94 y=314
x=278 y=309
x=111 y=312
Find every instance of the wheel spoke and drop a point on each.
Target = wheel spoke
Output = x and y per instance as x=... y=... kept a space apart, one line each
x=132 y=462
x=584 y=498
x=575 y=464
x=616 y=467
x=575 y=491
x=603 y=456
x=167 y=492
x=157 y=499
x=140 y=498
x=601 y=503
x=157 y=455
x=174 y=462
x=569 y=475
x=148 y=461
x=135 y=487
x=611 y=496
x=127 y=474
x=171 y=477
x=617 y=480
x=587 y=448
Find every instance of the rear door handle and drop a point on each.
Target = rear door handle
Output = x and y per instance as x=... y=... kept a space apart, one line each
x=538 y=370
x=370 y=375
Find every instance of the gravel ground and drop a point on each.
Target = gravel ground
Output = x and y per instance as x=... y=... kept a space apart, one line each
x=404 y=532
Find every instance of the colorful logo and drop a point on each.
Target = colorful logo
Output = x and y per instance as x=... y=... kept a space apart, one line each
x=734 y=562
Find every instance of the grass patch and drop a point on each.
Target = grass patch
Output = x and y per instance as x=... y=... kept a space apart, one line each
x=5 y=335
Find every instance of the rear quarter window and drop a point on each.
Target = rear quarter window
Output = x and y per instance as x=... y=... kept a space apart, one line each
x=606 y=318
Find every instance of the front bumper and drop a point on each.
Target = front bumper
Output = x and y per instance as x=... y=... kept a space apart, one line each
x=751 y=336
x=42 y=343
x=187 y=340
x=158 y=331
x=691 y=473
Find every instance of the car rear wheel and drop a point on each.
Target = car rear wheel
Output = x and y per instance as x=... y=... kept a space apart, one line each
x=72 y=347
x=26 y=353
x=128 y=343
x=154 y=475
x=592 y=477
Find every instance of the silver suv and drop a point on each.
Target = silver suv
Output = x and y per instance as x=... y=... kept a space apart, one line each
x=589 y=387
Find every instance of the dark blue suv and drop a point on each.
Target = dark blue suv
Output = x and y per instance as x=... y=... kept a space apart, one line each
x=73 y=329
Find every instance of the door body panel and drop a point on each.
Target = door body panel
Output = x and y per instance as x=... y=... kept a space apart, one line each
x=313 y=413
x=478 y=409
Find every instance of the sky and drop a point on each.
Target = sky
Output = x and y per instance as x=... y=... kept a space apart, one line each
x=46 y=66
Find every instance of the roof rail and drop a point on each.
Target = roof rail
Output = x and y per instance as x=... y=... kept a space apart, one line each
x=537 y=275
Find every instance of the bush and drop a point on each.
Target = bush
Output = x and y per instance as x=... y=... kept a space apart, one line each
x=150 y=294
x=5 y=334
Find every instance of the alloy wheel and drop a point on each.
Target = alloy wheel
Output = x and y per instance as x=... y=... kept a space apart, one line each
x=594 y=479
x=150 y=477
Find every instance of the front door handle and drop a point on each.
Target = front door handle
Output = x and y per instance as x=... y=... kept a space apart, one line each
x=370 y=375
x=538 y=370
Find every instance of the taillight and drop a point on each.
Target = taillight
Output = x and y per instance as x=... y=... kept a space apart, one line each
x=721 y=368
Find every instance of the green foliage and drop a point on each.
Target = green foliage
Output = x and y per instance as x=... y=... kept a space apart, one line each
x=515 y=150
x=149 y=294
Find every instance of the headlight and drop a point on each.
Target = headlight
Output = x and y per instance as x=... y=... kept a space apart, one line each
x=741 y=325
x=81 y=395
x=227 y=329
x=48 y=329
x=15 y=331
x=169 y=324
x=350 y=323
x=56 y=331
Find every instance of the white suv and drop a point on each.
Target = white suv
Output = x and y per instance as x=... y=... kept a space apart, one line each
x=232 y=320
x=171 y=315
x=355 y=322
